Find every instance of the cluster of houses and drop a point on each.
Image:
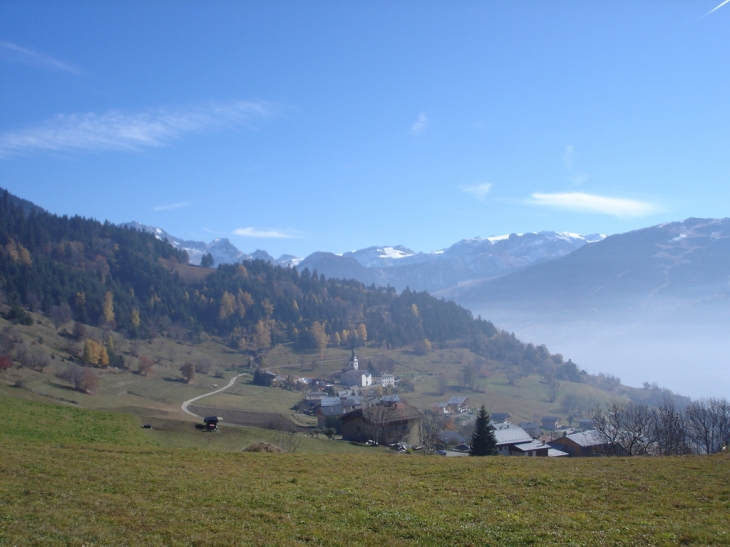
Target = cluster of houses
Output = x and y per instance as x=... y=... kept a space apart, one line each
x=359 y=416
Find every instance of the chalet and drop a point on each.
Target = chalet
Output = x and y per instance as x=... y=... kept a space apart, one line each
x=508 y=437
x=550 y=423
x=315 y=396
x=585 y=424
x=532 y=449
x=499 y=417
x=326 y=415
x=384 y=423
x=532 y=428
x=441 y=408
x=587 y=443
x=458 y=404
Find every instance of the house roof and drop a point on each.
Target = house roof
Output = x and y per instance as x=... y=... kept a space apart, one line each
x=394 y=413
x=499 y=416
x=530 y=425
x=511 y=435
x=532 y=445
x=587 y=438
x=331 y=411
x=555 y=453
x=330 y=401
x=455 y=400
x=549 y=419
x=451 y=436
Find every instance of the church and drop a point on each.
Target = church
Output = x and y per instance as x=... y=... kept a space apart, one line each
x=355 y=377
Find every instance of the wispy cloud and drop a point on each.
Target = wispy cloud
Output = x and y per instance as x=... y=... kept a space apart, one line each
x=479 y=190
x=253 y=232
x=587 y=203
x=15 y=53
x=420 y=125
x=178 y=205
x=116 y=130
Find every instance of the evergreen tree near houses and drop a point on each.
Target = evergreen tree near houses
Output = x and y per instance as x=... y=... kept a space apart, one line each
x=483 y=441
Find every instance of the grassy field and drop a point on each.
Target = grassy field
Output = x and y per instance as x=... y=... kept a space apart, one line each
x=97 y=494
x=72 y=476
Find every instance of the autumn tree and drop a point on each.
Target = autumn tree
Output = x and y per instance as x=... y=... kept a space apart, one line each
x=95 y=353
x=262 y=335
x=108 y=309
x=145 y=365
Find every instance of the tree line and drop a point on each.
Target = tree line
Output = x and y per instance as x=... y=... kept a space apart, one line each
x=634 y=429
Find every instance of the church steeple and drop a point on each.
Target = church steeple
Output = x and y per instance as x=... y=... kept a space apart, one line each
x=353 y=361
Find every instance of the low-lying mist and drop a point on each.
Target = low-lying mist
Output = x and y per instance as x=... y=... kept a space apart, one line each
x=686 y=350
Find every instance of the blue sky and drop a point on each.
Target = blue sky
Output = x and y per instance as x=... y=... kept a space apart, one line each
x=304 y=126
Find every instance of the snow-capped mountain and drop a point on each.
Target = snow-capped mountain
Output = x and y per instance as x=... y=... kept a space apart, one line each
x=221 y=249
x=467 y=260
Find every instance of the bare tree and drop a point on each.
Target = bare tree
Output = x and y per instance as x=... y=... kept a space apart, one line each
x=670 y=429
x=470 y=375
x=375 y=417
x=288 y=441
x=32 y=357
x=443 y=384
x=60 y=315
x=628 y=428
x=83 y=379
x=430 y=430
x=708 y=424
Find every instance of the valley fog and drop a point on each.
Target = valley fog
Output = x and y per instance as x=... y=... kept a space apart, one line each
x=686 y=351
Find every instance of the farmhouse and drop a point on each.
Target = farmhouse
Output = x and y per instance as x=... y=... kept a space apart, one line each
x=458 y=404
x=532 y=428
x=385 y=423
x=550 y=423
x=588 y=443
x=508 y=437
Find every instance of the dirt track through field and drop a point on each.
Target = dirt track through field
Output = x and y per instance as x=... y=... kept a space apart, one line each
x=185 y=405
x=267 y=420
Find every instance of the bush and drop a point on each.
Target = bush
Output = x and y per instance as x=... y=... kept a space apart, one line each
x=263 y=447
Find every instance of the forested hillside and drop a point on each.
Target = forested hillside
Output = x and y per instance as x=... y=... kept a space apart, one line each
x=126 y=280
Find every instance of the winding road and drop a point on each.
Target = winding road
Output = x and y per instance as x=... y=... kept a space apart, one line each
x=184 y=406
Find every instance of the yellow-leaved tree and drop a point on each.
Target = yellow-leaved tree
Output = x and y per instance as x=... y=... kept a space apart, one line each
x=108 y=308
x=95 y=353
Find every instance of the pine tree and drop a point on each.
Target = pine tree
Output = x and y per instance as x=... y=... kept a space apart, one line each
x=483 y=441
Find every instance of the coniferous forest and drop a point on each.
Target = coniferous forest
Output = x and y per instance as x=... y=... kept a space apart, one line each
x=130 y=281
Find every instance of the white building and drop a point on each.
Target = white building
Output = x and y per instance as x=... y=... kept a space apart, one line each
x=355 y=377
x=386 y=380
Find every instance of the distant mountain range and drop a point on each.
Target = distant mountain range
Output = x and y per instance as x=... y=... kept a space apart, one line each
x=400 y=267
x=650 y=303
x=221 y=249
x=661 y=267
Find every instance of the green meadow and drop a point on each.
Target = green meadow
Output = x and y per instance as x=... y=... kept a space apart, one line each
x=70 y=476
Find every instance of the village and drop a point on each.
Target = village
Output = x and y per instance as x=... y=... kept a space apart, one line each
x=361 y=408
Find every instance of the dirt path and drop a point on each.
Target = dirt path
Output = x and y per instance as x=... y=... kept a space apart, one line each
x=184 y=406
